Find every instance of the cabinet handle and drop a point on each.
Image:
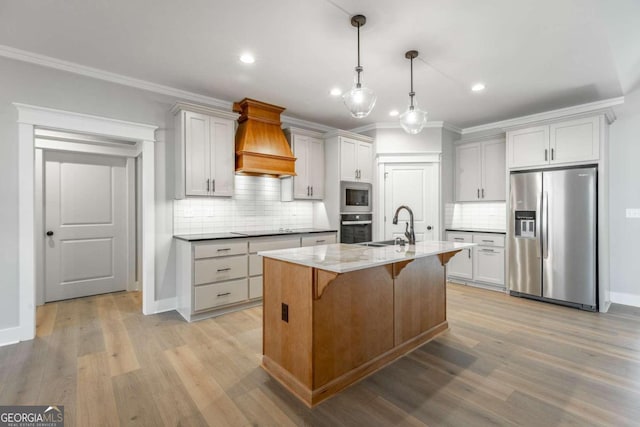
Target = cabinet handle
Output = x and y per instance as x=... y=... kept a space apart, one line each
x=469 y=253
x=220 y=270
x=491 y=251
x=224 y=294
x=213 y=181
x=224 y=249
x=307 y=190
x=483 y=193
x=478 y=193
x=207 y=185
x=488 y=241
x=545 y=154
x=312 y=190
x=459 y=238
x=552 y=153
x=320 y=241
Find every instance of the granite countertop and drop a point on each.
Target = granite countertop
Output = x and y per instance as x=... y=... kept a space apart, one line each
x=478 y=230
x=245 y=234
x=342 y=258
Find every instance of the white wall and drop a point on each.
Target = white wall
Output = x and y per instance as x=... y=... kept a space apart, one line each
x=624 y=185
x=398 y=141
x=32 y=84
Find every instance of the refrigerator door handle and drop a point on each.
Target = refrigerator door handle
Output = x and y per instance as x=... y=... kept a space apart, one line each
x=545 y=225
x=539 y=226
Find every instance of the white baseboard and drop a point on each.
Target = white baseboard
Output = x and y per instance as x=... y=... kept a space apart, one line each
x=625 y=299
x=163 y=305
x=9 y=336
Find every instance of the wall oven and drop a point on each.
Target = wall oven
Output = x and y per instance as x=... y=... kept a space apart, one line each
x=355 y=197
x=355 y=228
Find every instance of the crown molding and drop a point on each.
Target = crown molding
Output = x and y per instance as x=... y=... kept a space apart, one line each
x=347 y=134
x=301 y=131
x=196 y=108
x=604 y=107
x=396 y=125
x=96 y=73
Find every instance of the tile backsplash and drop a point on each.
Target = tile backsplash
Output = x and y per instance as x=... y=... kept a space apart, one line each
x=255 y=205
x=481 y=216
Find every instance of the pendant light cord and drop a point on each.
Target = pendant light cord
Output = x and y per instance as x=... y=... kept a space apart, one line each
x=359 y=67
x=412 y=93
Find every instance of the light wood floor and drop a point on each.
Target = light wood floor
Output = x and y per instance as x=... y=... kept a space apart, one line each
x=505 y=361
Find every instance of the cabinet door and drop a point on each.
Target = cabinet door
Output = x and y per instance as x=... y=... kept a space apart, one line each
x=222 y=156
x=575 y=140
x=348 y=155
x=316 y=168
x=364 y=162
x=461 y=265
x=528 y=147
x=197 y=154
x=468 y=176
x=488 y=265
x=493 y=171
x=301 y=185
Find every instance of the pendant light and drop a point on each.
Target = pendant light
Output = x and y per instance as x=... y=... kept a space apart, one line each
x=360 y=100
x=414 y=119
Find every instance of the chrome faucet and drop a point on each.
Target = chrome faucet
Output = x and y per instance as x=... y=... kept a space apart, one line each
x=409 y=231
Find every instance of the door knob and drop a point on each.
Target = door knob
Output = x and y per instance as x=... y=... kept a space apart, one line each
x=429 y=227
x=49 y=233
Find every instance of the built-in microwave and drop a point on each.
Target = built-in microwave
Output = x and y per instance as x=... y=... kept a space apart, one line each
x=355 y=197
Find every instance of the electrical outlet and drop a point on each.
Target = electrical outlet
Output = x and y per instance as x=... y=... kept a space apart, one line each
x=633 y=213
x=188 y=212
x=285 y=312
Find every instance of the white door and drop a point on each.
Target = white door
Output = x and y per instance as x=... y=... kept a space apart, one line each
x=528 y=147
x=85 y=200
x=416 y=186
x=493 y=171
x=316 y=168
x=575 y=140
x=223 y=160
x=301 y=185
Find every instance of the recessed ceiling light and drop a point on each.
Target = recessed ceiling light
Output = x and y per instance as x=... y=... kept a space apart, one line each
x=478 y=87
x=247 y=58
x=394 y=113
x=336 y=91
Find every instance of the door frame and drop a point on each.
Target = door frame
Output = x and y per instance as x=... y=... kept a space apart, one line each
x=382 y=160
x=142 y=137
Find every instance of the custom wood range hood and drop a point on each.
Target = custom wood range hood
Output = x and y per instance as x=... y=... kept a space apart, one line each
x=261 y=147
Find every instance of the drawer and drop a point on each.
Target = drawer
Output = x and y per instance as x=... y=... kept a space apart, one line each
x=255 y=265
x=211 y=270
x=489 y=239
x=270 y=244
x=318 y=239
x=460 y=237
x=217 y=294
x=255 y=287
x=225 y=248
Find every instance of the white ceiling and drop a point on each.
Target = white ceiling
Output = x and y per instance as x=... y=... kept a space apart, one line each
x=533 y=55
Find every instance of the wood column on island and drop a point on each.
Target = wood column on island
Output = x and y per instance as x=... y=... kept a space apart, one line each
x=324 y=330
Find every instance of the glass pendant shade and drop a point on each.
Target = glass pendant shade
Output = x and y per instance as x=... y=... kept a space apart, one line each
x=413 y=120
x=360 y=100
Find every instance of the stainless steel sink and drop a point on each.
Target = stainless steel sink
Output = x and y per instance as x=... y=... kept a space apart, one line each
x=379 y=244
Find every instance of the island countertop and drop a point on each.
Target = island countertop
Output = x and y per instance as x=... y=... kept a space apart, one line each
x=342 y=258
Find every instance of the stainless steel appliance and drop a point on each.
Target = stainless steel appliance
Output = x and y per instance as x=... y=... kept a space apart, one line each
x=355 y=197
x=553 y=236
x=355 y=228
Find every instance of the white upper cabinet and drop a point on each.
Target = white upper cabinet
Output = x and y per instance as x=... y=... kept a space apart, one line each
x=356 y=159
x=308 y=148
x=572 y=141
x=204 y=151
x=575 y=140
x=480 y=171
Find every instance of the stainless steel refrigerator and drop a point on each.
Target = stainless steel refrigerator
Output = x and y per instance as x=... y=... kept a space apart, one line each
x=553 y=236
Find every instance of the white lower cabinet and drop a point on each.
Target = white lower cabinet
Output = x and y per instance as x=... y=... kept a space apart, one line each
x=219 y=276
x=483 y=265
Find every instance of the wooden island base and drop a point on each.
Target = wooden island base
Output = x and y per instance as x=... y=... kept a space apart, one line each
x=323 y=331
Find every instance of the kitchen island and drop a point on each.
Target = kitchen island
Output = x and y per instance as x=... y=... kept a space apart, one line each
x=334 y=314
